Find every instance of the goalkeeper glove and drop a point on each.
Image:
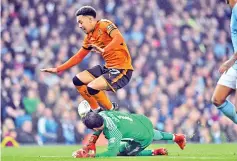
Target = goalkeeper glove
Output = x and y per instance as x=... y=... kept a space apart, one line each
x=81 y=153
x=90 y=147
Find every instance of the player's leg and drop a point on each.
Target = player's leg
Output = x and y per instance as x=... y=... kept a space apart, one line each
x=112 y=79
x=180 y=139
x=236 y=93
x=95 y=89
x=226 y=85
x=219 y=100
x=159 y=151
x=82 y=79
x=236 y=97
x=129 y=147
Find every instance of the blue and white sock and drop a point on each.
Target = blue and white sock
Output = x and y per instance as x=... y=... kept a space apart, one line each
x=228 y=109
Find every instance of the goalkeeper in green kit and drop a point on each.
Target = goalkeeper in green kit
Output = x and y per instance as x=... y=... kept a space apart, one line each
x=127 y=134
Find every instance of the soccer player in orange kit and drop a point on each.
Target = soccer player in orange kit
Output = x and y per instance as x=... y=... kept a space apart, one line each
x=103 y=37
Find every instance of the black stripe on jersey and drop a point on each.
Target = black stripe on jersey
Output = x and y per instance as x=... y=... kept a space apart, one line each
x=111 y=30
x=89 y=48
x=109 y=27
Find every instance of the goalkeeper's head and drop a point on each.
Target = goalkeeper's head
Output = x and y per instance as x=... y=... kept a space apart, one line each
x=93 y=121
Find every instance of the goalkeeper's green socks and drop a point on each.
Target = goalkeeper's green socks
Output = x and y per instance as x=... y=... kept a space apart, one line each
x=145 y=153
x=160 y=151
x=159 y=135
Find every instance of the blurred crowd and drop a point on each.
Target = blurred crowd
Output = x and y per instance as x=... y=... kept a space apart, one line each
x=176 y=47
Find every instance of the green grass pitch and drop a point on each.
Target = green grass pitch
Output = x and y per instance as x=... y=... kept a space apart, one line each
x=192 y=152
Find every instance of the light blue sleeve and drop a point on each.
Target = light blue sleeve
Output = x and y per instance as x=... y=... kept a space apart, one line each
x=233 y=26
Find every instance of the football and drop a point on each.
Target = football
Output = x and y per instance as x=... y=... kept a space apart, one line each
x=83 y=108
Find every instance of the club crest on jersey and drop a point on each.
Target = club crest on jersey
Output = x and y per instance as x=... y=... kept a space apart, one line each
x=114 y=71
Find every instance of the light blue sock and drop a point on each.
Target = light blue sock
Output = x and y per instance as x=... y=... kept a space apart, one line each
x=228 y=109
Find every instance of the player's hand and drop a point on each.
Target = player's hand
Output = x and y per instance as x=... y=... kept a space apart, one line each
x=96 y=48
x=49 y=70
x=90 y=147
x=226 y=65
x=81 y=153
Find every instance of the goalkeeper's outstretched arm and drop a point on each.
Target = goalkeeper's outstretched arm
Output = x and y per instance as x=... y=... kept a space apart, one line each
x=114 y=143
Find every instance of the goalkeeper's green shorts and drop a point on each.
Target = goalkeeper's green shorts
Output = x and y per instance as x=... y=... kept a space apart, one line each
x=129 y=147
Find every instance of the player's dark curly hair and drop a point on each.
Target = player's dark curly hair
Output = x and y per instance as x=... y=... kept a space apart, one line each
x=86 y=11
x=93 y=120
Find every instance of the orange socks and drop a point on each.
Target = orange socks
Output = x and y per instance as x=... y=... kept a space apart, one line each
x=95 y=96
x=90 y=99
x=103 y=100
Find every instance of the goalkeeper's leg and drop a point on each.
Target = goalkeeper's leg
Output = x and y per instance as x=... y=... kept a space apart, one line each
x=131 y=148
x=180 y=139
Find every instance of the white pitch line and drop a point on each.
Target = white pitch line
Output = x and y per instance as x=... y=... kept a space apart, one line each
x=169 y=157
x=203 y=158
x=55 y=156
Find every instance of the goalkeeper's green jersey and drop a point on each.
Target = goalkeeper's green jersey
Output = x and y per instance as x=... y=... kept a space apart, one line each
x=118 y=126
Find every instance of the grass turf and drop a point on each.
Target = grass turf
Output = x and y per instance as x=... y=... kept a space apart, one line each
x=193 y=152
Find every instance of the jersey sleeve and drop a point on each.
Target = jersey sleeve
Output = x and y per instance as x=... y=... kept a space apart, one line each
x=234 y=26
x=86 y=43
x=75 y=59
x=97 y=133
x=114 y=143
x=114 y=136
x=108 y=26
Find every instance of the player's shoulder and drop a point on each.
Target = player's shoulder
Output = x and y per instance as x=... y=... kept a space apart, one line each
x=104 y=23
x=102 y=113
x=108 y=121
x=106 y=113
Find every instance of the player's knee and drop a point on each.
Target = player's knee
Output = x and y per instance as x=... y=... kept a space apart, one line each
x=217 y=101
x=77 y=82
x=92 y=91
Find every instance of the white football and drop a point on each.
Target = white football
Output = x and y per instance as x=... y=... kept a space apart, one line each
x=83 y=108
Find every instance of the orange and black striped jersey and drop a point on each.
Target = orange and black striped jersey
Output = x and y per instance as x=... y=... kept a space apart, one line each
x=117 y=57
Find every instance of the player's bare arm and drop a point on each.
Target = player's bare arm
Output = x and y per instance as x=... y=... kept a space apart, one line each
x=227 y=64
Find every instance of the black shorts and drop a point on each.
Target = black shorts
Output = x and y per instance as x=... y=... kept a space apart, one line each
x=116 y=78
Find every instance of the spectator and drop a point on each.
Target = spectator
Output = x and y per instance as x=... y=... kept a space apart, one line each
x=9 y=133
x=47 y=127
x=68 y=128
x=31 y=101
x=80 y=131
x=36 y=115
x=25 y=135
